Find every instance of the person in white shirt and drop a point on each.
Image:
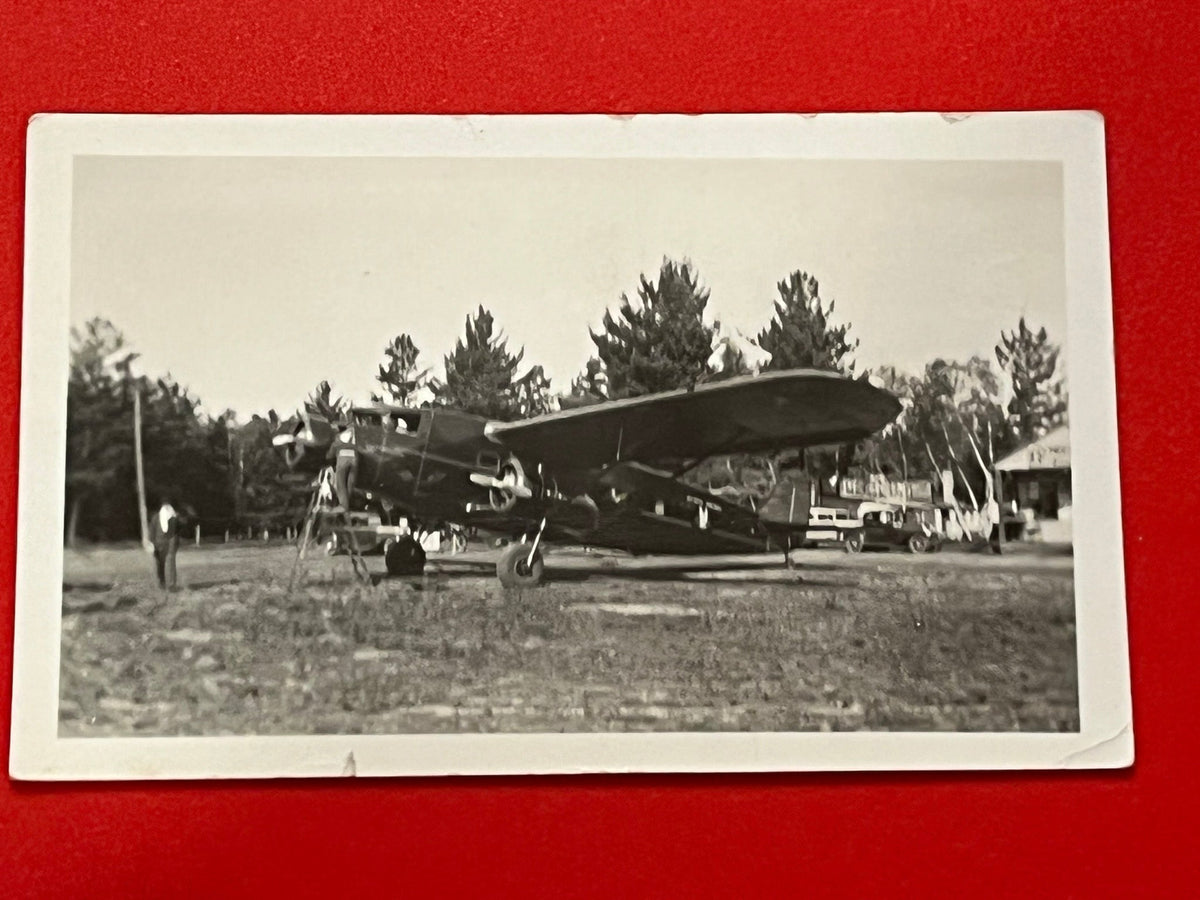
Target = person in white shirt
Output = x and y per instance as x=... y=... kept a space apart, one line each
x=164 y=531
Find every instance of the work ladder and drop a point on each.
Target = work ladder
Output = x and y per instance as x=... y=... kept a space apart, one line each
x=318 y=507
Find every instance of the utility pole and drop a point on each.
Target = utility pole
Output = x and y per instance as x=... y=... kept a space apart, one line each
x=122 y=361
x=137 y=456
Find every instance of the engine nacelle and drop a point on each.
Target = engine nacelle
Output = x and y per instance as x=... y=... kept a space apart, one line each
x=306 y=444
x=508 y=485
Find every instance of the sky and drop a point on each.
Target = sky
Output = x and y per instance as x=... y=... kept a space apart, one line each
x=250 y=280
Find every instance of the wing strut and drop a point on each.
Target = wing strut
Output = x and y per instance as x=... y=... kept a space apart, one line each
x=724 y=448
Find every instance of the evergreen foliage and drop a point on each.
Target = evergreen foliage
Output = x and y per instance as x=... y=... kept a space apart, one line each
x=401 y=377
x=958 y=415
x=802 y=335
x=1039 y=400
x=481 y=375
x=661 y=342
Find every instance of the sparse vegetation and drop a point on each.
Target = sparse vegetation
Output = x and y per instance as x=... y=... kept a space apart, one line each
x=955 y=642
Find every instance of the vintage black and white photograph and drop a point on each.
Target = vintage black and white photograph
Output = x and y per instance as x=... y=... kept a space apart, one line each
x=432 y=446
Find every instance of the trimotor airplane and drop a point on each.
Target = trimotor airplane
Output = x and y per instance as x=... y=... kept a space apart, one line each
x=603 y=475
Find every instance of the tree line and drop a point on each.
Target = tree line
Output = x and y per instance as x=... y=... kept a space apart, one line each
x=227 y=475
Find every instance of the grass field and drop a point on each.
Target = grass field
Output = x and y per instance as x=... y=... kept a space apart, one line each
x=948 y=641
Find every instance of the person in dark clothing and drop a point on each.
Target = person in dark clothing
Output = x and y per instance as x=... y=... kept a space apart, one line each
x=345 y=461
x=164 y=532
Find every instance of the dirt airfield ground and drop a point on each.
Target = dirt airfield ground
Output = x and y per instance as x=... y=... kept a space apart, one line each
x=961 y=641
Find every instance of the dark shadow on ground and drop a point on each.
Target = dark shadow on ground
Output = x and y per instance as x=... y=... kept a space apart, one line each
x=88 y=587
x=681 y=574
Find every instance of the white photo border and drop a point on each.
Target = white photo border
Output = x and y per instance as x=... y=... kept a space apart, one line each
x=1076 y=139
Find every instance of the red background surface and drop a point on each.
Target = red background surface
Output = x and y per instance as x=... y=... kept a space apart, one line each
x=1066 y=834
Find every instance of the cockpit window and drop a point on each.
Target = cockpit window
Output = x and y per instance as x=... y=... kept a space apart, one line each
x=367 y=419
x=405 y=422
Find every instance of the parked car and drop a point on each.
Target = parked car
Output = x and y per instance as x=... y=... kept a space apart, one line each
x=887 y=527
x=826 y=523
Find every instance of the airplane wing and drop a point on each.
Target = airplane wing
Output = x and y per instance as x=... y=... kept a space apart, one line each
x=797 y=408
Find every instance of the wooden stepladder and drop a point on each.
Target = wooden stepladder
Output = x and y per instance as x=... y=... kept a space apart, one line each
x=318 y=507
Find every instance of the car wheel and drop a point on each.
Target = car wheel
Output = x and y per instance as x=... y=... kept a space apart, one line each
x=404 y=556
x=515 y=569
x=918 y=543
x=854 y=542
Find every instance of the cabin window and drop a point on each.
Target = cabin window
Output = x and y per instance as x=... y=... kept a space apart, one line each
x=405 y=422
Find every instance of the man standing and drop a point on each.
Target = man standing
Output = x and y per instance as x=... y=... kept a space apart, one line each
x=164 y=532
x=345 y=462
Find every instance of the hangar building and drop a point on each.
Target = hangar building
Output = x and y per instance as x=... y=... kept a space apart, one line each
x=1038 y=479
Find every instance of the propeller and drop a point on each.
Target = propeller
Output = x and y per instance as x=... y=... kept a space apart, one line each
x=508 y=483
x=506 y=489
x=295 y=442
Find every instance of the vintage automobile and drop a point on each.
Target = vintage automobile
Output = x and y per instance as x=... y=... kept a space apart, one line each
x=885 y=527
x=829 y=524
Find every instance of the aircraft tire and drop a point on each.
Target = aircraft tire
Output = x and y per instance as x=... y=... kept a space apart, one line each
x=514 y=569
x=404 y=556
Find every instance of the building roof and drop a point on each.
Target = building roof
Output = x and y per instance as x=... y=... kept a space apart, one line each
x=1052 y=451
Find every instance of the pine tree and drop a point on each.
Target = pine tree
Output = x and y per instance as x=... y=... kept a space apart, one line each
x=532 y=393
x=731 y=362
x=187 y=455
x=480 y=372
x=322 y=402
x=1038 y=399
x=588 y=387
x=401 y=377
x=266 y=494
x=99 y=425
x=801 y=334
x=662 y=343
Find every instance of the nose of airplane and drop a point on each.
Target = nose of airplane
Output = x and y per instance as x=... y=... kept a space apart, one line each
x=304 y=442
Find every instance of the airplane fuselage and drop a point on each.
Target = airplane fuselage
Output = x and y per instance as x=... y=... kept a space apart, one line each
x=439 y=465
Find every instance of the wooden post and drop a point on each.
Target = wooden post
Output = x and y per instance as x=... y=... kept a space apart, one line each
x=999 y=548
x=197 y=534
x=904 y=463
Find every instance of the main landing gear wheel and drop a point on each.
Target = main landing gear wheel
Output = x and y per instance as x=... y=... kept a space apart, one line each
x=404 y=556
x=515 y=569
